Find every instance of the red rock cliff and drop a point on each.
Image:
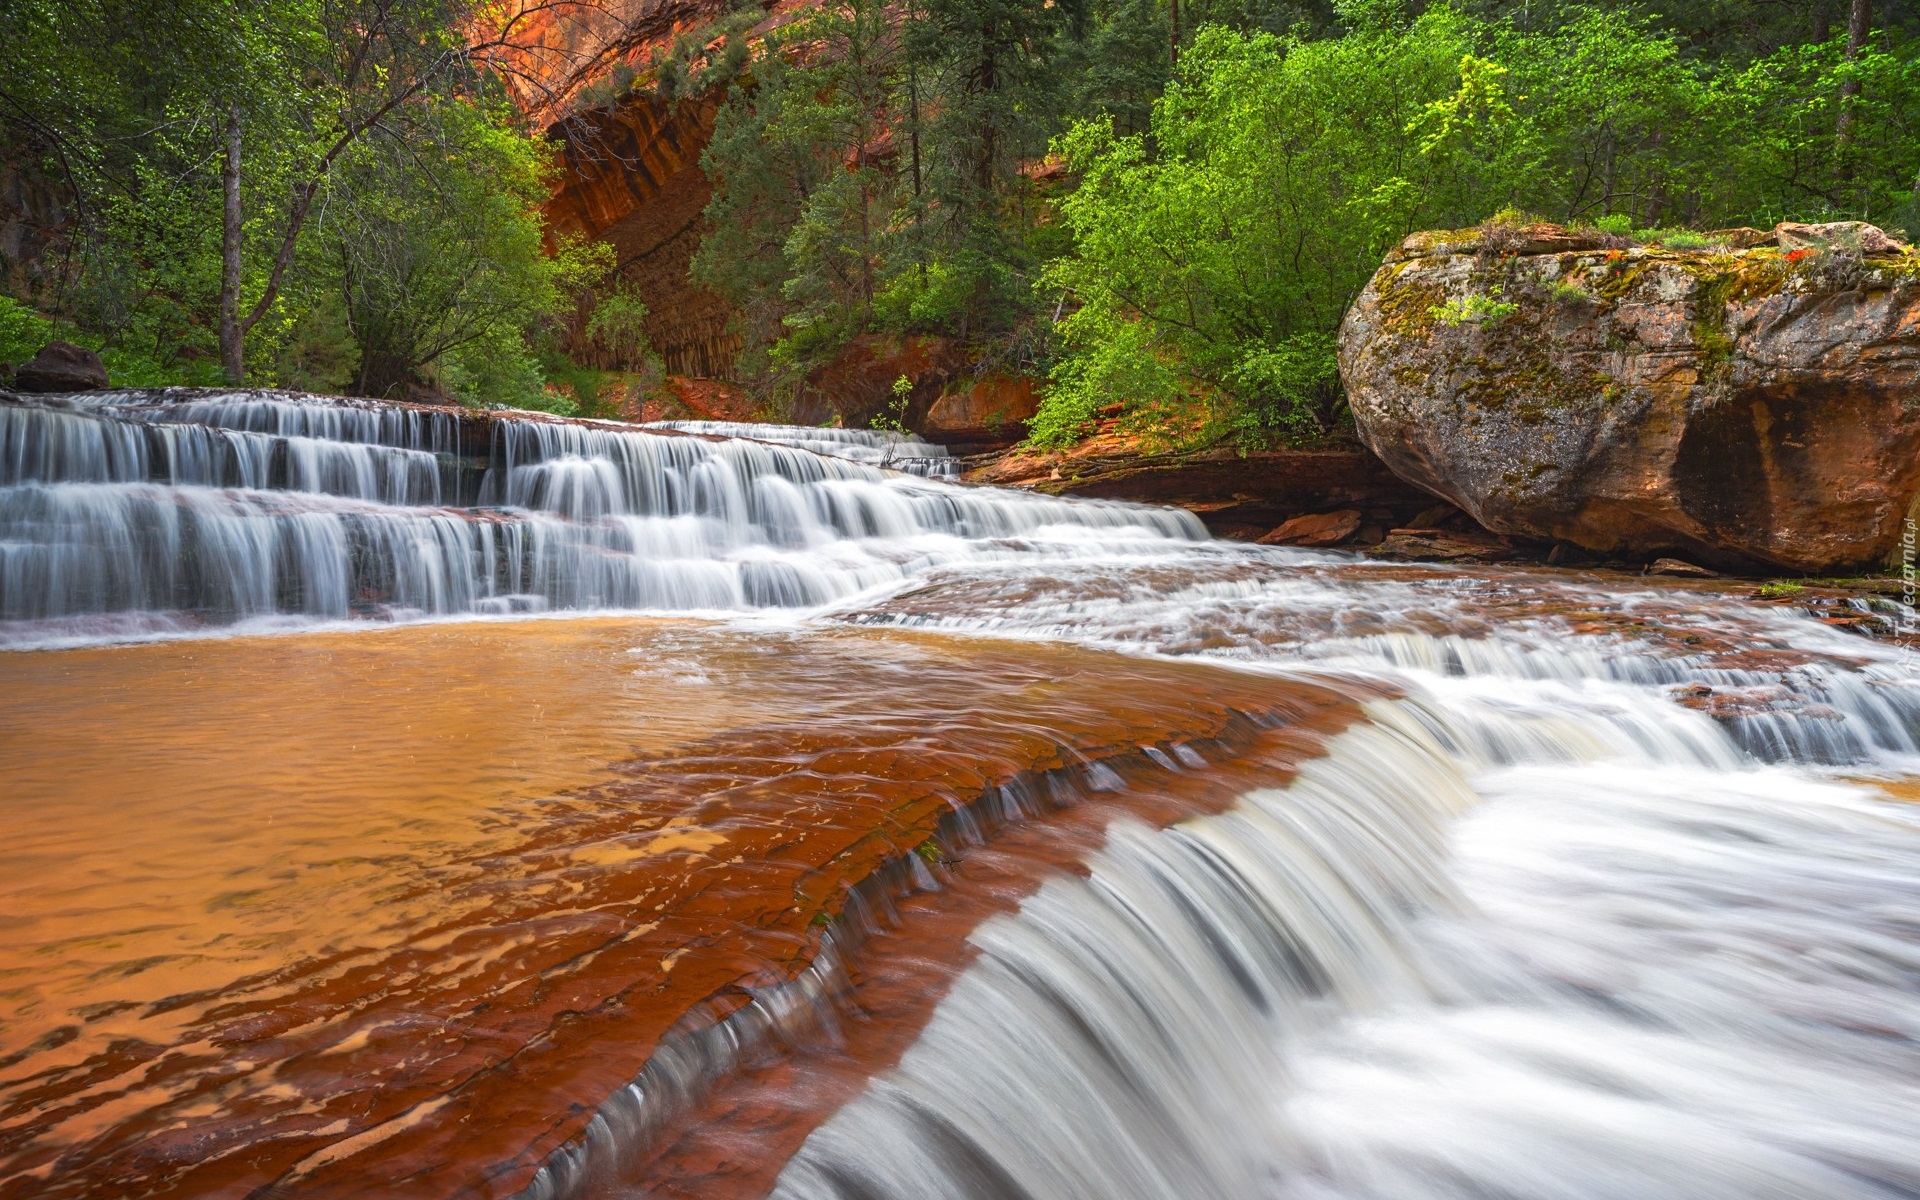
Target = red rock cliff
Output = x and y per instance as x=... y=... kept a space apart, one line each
x=630 y=164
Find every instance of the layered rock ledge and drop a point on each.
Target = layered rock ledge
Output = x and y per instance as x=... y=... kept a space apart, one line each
x=1754 y=404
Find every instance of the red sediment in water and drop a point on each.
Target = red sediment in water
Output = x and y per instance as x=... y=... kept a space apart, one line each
x=392 y=913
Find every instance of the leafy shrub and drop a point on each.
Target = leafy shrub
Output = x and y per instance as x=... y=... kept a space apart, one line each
x=22 y=331
x=1478 y=308
x=1678 y=239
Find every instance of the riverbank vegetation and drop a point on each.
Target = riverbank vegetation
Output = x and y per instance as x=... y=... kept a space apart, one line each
x=326 y=194
x=1155 y=205
x=1175 y=222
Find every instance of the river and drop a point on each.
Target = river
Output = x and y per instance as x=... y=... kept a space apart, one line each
x=413 y=803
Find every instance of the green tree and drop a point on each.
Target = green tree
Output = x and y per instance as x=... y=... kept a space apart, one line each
x=197 y=141
x=1219 y=261
x=440 y=251
x=808 y=186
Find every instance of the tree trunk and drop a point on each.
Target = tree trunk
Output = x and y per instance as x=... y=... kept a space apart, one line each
x=232 y=354
x=1173 y=42
x=1859 y=24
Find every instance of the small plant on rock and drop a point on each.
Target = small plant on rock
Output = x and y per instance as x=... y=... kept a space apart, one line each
x=1481 y=309
x=895 y=415
x=1678 y=239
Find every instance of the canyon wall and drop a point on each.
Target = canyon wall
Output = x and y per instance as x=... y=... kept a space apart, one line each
x=630 y=160
x=632 y=178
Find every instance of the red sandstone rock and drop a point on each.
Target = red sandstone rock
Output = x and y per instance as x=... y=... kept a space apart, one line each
x=1856 y=236
x=1675 y=566
x=1736 y=408
x=988 y=411
x=1236 y=494
x=858 y=384
x=631 y=177
x=1315 y=529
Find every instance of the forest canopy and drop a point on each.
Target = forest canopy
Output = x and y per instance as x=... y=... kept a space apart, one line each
x=1159 y=205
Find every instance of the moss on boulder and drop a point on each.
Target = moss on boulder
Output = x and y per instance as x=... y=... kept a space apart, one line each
x=1750 y=403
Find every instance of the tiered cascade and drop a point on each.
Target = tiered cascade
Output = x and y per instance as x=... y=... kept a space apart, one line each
x=161 y=511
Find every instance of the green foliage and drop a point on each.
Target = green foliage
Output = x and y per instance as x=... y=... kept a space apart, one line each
x=22 y=331
x=1480 y=102
x=1216 y=261
x=1677 y=239
x=130 y=362
x=1480 y=308
x=1233 y=235
x=894 y=415
x=388 y=195
x=318 y=353
x=877 y=173
x=618 y=324
x=802 y=212
x=1116 y=358
x=441 y=254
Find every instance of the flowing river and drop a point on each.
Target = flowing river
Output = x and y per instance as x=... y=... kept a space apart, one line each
x=409 y=802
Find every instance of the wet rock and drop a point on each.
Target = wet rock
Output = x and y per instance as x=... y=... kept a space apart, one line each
x=1314 y=529
x=1742 y=238
x=1239 y=495
x=1438 y=516
x=1741 y=408
x=857 y=384
x=630 y=176
x=61 y=367
x=1417 y=545
x=1675 y=566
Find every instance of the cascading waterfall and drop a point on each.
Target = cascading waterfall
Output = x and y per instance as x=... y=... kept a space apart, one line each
x=876 y=447
x=1632 y=968
x=247 y=505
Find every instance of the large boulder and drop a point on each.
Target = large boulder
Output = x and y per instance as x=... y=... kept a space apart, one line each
x=61 y=367
x=1750 y=408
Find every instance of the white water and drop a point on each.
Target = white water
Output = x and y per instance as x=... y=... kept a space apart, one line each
x=880 y=448
x=1641 y=962
x=127 y=514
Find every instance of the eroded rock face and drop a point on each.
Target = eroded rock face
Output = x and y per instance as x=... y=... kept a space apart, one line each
x=983 y=413
x=1753 y=407
x=632 y=179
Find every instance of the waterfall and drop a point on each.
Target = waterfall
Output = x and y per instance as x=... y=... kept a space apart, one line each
x=1628 y=970
x=213 y=509
x=884 y=448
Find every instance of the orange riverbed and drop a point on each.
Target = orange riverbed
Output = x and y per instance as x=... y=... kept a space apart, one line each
x=390 y=912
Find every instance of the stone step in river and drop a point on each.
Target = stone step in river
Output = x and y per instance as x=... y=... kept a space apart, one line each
x=412 y=802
